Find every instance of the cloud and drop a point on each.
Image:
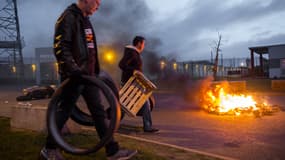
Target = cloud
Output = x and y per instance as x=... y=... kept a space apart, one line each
x=205 y=18
x=116 y=22
x=186 y=33
x=241 y=48
x=37 y=19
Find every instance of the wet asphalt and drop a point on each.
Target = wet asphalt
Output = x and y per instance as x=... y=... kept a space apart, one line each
x=185 y=124
x=245 y=137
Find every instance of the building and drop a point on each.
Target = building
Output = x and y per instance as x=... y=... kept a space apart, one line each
x=276 y=61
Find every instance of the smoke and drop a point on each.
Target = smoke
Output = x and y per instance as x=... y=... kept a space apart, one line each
x=119 y=21
x=184 y=32
x=195 y=91
x=116 y=22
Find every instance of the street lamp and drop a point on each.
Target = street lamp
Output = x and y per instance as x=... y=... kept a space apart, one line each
x=109 y=57
x=175 y=66
x=186 y=67
x=14 y=69
x=34 y=67
x=162 y=65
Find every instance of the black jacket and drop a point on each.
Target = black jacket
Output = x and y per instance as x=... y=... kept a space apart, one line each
x=70 y=46
x=130 y=62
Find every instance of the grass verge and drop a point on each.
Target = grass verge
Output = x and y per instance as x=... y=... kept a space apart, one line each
x=25 y=145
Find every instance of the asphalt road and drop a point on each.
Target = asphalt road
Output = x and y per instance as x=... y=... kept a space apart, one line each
x=242 y=137
x=184 y=124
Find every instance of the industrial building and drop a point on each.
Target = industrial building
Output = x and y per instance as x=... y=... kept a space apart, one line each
x=276 y=61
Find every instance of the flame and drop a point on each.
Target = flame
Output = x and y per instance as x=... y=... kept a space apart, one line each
x=227 y=98
x=223 y=103
x=219 y=100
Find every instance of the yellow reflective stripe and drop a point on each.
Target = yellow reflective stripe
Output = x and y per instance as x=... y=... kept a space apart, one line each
x=58 y=37
x=58 y=52
x=56 y=45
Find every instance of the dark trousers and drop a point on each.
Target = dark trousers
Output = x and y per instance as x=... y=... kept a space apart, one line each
x=146 y=113
x=91 y=95
x=146 y=116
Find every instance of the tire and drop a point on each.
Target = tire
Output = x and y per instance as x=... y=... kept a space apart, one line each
x=24 y=98
x=107 y=79
x=113 y=125
x=81 y=117
x=152 y=102
x=50 y=91
x=86 y=119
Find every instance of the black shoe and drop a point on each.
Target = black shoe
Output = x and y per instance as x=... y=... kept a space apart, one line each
x=123 y=154
x=151 y=130
x=50 y=154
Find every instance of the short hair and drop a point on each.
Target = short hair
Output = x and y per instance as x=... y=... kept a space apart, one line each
x=138 y=39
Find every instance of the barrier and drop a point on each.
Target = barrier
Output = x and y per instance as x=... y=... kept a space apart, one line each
x=278 y=85
x=234 y=86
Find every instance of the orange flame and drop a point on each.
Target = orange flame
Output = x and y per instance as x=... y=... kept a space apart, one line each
x=219 y=101
x=224 y=98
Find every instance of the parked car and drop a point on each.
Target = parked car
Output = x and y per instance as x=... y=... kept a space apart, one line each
x=36 y=92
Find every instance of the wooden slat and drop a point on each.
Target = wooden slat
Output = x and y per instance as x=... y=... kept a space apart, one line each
x=140 y=103
x=126 y=86
x=131 y=96
x=126 y=93
x=135 y=93
x=135 y=99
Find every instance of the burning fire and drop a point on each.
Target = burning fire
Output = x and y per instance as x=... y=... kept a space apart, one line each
x=219 y=100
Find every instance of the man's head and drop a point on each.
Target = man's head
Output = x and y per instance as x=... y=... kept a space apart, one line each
x=139 y=43
x=88 y=7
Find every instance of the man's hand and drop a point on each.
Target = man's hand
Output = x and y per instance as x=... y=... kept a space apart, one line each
x=135 y=71
x=76 y=73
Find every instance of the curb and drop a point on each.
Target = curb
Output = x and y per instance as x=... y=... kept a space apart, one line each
x=177 y=147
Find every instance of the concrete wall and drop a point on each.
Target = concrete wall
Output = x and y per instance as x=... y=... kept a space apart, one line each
x=43 y=55
x=32 y=116
x=276 y=52
x=274 y=72
x=276 y=64
x=278 y=85
x=45 y=51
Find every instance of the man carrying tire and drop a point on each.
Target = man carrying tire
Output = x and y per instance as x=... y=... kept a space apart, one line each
x=76 y=52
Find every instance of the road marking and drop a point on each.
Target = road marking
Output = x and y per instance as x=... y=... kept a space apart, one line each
x=177 y=147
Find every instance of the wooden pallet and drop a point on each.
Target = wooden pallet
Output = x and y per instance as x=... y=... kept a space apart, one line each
x=135 y=93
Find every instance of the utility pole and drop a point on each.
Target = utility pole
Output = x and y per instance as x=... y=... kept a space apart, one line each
x=211 y=56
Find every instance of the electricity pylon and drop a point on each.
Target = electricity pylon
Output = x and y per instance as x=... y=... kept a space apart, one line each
x=11 y=43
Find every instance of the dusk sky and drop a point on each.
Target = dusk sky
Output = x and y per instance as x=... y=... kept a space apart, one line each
x=184 y=28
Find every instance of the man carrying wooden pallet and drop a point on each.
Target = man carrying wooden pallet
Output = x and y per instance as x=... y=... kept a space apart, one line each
x=130 y=63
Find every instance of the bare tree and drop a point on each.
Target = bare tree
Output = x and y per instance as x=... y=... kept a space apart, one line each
x=217 y=48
